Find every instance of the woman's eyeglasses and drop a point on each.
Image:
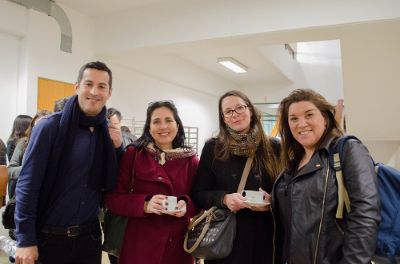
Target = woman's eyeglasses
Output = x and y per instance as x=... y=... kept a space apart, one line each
x=238 y=109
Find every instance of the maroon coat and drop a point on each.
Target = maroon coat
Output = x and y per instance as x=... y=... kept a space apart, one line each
x=151 y=238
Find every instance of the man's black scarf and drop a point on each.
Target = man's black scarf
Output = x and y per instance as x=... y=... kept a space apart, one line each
x=104 y=168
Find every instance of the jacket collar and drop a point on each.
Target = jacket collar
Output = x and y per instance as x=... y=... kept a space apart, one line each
x=317 y=162
x=326 y=144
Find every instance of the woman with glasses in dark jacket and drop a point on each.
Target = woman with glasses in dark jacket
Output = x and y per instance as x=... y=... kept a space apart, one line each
x=221 y=165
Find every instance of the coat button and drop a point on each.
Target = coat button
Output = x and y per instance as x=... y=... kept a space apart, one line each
x=317 y=165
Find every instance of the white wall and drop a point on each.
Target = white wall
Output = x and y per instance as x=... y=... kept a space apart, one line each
x=370 y=55
x=36 y=54
x=30 y=48
x=44 y=57
x=9 y=54
x=133 y=91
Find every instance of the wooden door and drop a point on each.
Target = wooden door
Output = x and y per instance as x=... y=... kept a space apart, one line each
x=50 y=90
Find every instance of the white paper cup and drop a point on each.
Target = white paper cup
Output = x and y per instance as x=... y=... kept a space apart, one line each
x=253 y=196
x=170 y=203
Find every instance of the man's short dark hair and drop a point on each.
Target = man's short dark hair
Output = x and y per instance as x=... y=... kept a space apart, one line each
x=112 y=111
x=98 y=65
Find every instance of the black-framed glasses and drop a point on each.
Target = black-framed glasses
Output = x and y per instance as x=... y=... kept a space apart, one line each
x=238 y=109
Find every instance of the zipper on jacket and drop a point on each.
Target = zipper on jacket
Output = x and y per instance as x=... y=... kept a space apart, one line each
x=322 y=214
x=273 y=236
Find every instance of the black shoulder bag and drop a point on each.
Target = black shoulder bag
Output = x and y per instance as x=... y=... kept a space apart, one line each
x=210 y=234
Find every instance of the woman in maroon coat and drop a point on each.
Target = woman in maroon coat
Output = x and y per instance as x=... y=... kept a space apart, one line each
x=162 y=166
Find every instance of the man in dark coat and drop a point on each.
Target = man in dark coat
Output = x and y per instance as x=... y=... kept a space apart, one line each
x=70 y=159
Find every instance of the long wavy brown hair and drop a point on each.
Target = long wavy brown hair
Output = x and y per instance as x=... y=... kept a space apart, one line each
x=292 y=151
x=265 y=156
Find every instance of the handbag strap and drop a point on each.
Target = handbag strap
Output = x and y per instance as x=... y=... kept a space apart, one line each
x=245 y=174
x=206 y=214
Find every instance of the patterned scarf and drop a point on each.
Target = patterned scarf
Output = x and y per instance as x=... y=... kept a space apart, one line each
x=163 y=155
x=244 y=145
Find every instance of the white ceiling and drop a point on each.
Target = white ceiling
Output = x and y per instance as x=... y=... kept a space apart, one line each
x=189 y=64
x=95 y=8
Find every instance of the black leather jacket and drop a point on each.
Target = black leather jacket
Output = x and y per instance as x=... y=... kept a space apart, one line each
x=316 y=236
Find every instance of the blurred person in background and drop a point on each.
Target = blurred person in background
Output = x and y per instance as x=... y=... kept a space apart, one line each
x=3 y=153
x=20 y=125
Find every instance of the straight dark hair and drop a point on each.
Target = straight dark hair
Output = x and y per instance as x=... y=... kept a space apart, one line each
x=146 y=138
x=21 y=124
x=292 y=151
x=265 y=156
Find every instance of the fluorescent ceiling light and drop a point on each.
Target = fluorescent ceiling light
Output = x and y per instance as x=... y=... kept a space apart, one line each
x=232 y=64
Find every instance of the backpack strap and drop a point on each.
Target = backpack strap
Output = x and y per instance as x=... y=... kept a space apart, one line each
x=335 y=154
x=343 y=195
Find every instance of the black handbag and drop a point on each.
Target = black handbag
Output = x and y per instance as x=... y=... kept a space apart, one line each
x=114 y=233
x=8 y=214
x=211 y=234
x=115 y=225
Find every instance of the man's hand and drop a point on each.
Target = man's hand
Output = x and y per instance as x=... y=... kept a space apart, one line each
x=26 y=255
x=115 y=134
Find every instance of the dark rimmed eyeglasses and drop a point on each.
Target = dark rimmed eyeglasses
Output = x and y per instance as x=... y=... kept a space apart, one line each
x=238 y=109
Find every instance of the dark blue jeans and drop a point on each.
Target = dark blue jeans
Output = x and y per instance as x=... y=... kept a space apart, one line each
x=61 y=249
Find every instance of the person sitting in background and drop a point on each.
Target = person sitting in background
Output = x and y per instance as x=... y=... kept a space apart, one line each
x=21 y=124
x=162 y=166
x=305 y=196
x=3 y=153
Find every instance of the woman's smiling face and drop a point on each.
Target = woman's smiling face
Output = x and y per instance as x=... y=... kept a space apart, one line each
x=163 y=127
x=306 y=123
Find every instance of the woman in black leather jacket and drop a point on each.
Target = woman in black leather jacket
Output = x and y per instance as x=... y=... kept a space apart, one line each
x=304 y=198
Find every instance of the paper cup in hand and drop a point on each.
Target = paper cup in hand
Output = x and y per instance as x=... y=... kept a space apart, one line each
x=170 y=203
x=253 y=196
